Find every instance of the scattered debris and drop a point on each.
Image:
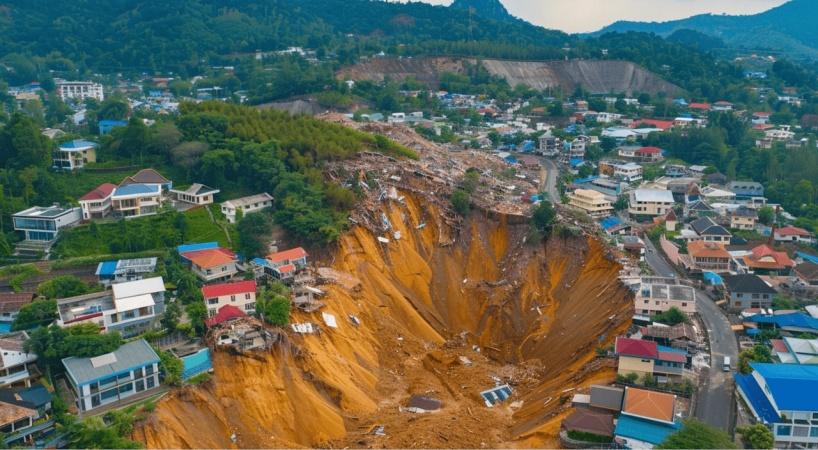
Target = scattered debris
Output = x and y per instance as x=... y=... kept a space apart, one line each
x=304 y=328
x=496 y=395
x=419 y=404
x=329 y=319
x=465 y=361
x=354 y=320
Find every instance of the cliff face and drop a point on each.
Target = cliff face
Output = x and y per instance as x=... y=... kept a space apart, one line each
x=536 y=313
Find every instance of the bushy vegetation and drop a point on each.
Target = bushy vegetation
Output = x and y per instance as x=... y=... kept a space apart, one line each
x=695 y=434
x=672 y=316
x=756 y=436
x=273 y=306
x=759 y=353
x=35 y=314
x=52 y=344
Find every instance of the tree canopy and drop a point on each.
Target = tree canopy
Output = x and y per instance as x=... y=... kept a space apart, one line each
x=695 y=434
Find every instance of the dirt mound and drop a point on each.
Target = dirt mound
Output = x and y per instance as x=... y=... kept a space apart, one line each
x=440 y=321
x=595 y=76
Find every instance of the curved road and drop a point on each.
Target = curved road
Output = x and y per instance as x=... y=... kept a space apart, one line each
x=548 y=179
x=715 y=399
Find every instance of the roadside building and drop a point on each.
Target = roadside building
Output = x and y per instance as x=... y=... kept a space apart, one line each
x=74 y=155
x=764 y=260
x=748 y=291
x=657 y=295
x=592 y=202
x=241 y=295
x=707 y=256
x=648 y=418
x=113 y=377
x=650 y=202
x=17 y=367
x=23 y=415
x=643 y=357
x=627 y=171
x=246 y=205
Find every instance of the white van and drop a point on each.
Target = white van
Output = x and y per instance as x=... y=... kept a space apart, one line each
x=726 y=365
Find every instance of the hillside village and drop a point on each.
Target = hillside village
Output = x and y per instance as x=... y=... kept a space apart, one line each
x=154 y=262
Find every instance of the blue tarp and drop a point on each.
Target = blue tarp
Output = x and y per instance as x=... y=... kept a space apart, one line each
x=753 y=332
x=713 y=278
x=195 y=247
x=5 y=327
x=644 y=430
x=576 y=162
x=609 y=223
x=752 y=392
x=196 y=363
x=807 y=257
x=585 y=180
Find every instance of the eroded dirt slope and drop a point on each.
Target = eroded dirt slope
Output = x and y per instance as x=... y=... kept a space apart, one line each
x=529 y=315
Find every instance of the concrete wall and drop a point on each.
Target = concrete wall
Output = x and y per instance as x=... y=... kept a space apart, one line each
x=670 y=250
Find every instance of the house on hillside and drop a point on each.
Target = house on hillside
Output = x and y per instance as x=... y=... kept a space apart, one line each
x=707 y=256
x=149 y=177
x=763 y=260
x=246 y=205
x=649 y=154
x=647 y=357
x=196 y=194
x=743 y=218
x=794 y=234
x=111 y=378
x=26 y=415
x=17 y=367
x=746 y=189
x=74 y=155
x=284 y=265
x=650 y=202
x=657 y=295
x=648 y=418
x=748 y=291
x=97 y=203
x=123 y=270
x=136 y=200
x=594 y=203
x=626 y=171
x=43 y=224
x=10 y=304
x=241 y=294
x=705 y=229
x=212 y=264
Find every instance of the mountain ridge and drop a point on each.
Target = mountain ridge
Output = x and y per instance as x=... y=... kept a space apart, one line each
x=490 y=9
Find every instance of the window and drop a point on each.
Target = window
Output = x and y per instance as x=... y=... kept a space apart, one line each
x=800 y=431
x=140 y=386
x=247 y=296
x=212 y=301
x=249 y=306
x=139 y=373
x=815 y=416
x=233 y=298
x=126 y=388
x=148 y=370
x=813 y=432
x=783 y=430
x=684 y=304
x=150 y=382
x=111 y=393
x=95 y=401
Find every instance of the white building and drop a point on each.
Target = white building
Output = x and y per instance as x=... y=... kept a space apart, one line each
x=650 y=202
x=14 y=361
x=74 y=155
x=247 y=205
x=592 y=202
x=44 y=223
x=241 y=294
x=79 y=90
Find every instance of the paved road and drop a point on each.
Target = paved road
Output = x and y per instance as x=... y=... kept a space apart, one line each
x=715 y=400
x=549 y=175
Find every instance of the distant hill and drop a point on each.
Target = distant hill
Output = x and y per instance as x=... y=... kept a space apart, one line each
x=789 y=29
x=490 y=9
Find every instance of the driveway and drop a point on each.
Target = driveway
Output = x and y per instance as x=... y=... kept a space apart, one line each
x=715 y=399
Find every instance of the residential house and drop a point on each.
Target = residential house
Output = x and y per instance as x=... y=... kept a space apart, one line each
x=529 y=162
x=793 y=234
x=766 y=261
x=24 y=414
x=240 y=294
x=130 y=308
x=790 y=350
x=707 y=256
x=748 y=291
x=657 y=295
x=247 y=205
x=671 y=221
x=650 y=202
x=212 y=264
x=807 y=272
x=592 y=202
x=628 y=151
x=677 y=336
x=111 y=378
x=722 y=106
x=43 y=224
x=649 y=154
x=784 y=397
x=647 y=357
x=746 y=189
x=136 y=200
x=606 y=398
x=705 y=229
x=626 y=171
x=699 y=209
x=648 y=418
x=79 y=90
x=587 y=421
x=74 y=155
x=97 y=203
x=149 y=177
x=284 y=265
x=549 y=145
x=196 y=194
x=713 y=194
x=796 y=322
x=760 y=118
x=743 y=218
x=123 y=270
x=17 y=367
x=15 y=419
x=10 y=304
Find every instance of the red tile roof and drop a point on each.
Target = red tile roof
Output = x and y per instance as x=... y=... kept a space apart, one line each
x=649 y=404
x=226 y=312
x=764 y=257
x=287 y=255
x=649 y=150
x=779 y=345
x=101 y=192
x=636 y=347
x=218 y=290
x=286 y=268
x=793 y=231
x=660 y=124
x=699 y=106
x=211 y=257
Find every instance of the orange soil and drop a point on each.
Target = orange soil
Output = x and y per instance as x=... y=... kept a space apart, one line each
x=535 y=312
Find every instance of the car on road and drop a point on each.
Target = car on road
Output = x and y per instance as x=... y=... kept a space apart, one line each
x=726 y=366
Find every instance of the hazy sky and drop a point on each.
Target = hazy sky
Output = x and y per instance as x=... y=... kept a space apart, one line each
x=576 y=16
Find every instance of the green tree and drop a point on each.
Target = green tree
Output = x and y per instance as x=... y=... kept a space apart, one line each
x=759 y=353
x=756 y=436
x=113 y=108
x=62 y=287
x=273 y=308
x=695 y=434
x=766 y=215
x=170 y=318
x=94 y=433
x=543 y=217
x=22 y=144
x=254 y=234
x=171 y=367
x=35 y=314
x=672 y=316
x=461 y=202
x=197 y=313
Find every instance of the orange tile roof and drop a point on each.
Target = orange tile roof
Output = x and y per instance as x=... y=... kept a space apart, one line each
x=764 y=257
x=211 y=257
x=287 y=255
x=702 y=249
x=649 y=404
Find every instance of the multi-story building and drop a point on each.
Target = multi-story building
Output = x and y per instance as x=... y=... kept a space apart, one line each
x=784 y=397
x=212 y=264
x=657 y=295
x=111 y=378
x=136 y=200
x=129 y=308
x=16 y=365
x=197 y=194
x=748 y=291
x=592 y=202
x=44 y=223
x=79 y=90
x=707 y=257
x=705 y=229
x=549 y=145
x=241 y=295
x=627 y=171
x=650 y=202
x=648 y=358
x=123 y=270
x=284 y=265
x=97 y=203
x=75 y=155
x=247 y=205
x=743 y=218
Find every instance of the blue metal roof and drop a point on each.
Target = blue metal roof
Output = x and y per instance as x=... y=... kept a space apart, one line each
x=106 y=268
x=793 y=320
x=136 y=189
x=755 y=396
x=576 y=162
x=261 y=262
x=197 y=246
x=585 y=180
x=662 y=348
x=77 y=144
x=644 y=430
x=713 y=278
x=793 y=386
x=807 y=257
x=610 y=222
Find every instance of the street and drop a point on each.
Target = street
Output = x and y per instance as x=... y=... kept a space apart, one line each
x=548 y=179
x=715 y=400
